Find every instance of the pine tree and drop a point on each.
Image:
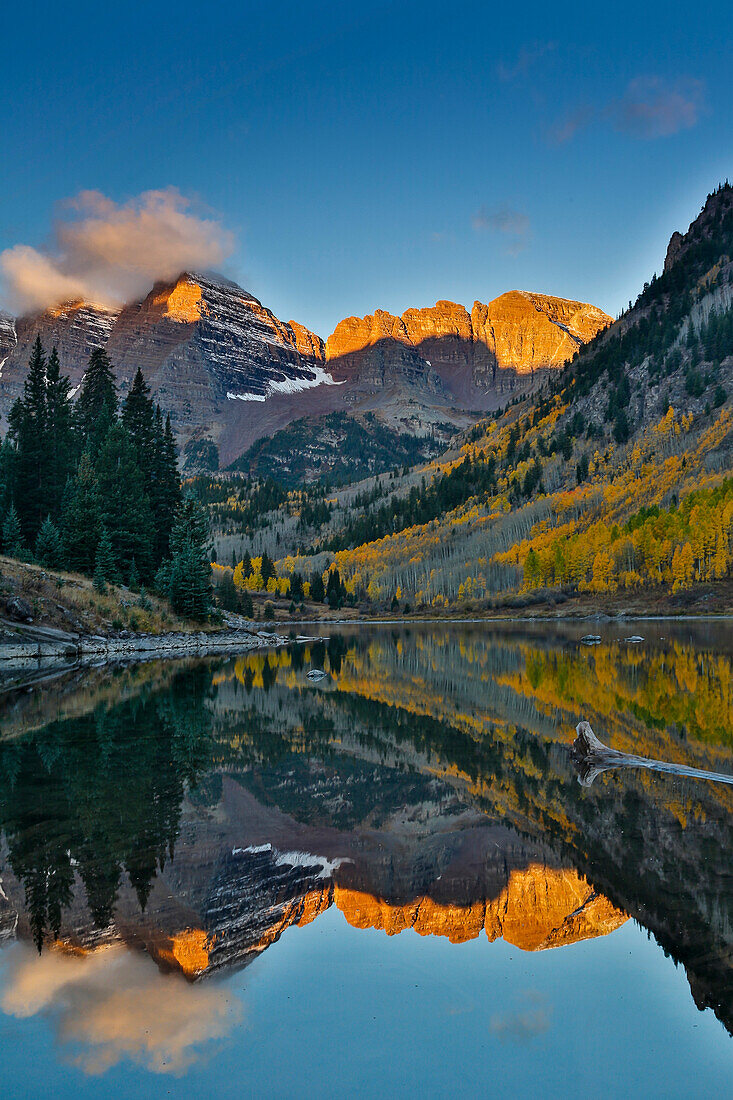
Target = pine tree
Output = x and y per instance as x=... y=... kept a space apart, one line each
x=124 y=504
x=317 y=591
x=27 y=430
x=7 y=474
x=60 y=442
x=49 y=546
x=12 y=535
x=334 y=589
x=227 y=593
x=81 y=519
x=173 y=478
x=133 y=580
x=267 y=569
x=96 y=405
x=138 y=417
x=165 y=491
x=186 y=578
x=105 y=565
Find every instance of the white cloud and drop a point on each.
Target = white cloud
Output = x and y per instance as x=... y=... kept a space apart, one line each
x=110 y=253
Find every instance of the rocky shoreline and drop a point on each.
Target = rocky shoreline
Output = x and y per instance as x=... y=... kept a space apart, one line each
x=23 y=645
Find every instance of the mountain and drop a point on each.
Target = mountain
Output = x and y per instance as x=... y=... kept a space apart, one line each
x=475 y=357
x=611 y=480
x=229 y=371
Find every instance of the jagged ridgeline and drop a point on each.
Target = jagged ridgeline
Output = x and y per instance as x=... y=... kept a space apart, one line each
x=613 y=477
x=229 y=372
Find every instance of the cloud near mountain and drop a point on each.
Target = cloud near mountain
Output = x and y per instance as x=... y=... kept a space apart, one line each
x=109 y=253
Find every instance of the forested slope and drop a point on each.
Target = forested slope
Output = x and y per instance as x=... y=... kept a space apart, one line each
x=613 y=477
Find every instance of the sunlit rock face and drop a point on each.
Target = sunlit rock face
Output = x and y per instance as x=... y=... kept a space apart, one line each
x=529 y=332
x=226 y=368
x=518 y=332
x=206 y=347
x=203 y=342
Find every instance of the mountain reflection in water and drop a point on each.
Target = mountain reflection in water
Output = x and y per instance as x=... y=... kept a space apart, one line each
x=167 y=823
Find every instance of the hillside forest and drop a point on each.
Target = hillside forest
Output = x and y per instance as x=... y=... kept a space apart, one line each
x=614 y=478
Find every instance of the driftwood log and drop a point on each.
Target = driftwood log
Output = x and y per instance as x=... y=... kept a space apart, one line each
x=592 y=757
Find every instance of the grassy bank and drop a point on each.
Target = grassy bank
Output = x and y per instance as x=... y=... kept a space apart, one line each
x=69 y=601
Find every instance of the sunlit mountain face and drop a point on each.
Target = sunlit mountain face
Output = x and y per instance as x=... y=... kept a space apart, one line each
x=164 y=828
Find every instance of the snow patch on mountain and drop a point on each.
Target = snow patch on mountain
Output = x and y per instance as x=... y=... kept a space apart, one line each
x=320 y=377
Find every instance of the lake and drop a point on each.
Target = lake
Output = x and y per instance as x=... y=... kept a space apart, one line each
x=221 y=878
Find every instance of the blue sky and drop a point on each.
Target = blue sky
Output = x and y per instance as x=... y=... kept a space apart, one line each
x=366 y=156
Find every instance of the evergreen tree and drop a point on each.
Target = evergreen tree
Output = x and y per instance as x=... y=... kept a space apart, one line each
x=27 y=430
x=165 y=490
x=96 y=405
x=227 y=593
x=186 y=578
x=60 y=442
x=49 y=545
x=317 y=591
x=124 y=504
x=133 y=579
x=105 y=566
x=13 y=535
x=267 y=569
x=334 y=589
x=138 y=417
x=7 y=474
x=81 y=519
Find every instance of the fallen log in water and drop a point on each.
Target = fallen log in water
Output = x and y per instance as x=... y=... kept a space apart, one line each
x=592 y=757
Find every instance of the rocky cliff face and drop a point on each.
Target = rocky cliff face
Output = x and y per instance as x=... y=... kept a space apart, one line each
x=75 y=329
x=512 y=337
x=210 y=351
x=7 y=337
x=203 y=343
x=226 y=368
x=714 y=219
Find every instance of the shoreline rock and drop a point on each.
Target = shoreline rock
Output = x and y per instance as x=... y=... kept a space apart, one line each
x=20 y=647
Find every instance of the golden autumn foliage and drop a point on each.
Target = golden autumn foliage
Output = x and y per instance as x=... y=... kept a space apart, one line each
x=649 y=514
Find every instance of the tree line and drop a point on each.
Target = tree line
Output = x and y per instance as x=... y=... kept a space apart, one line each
x=92 y=486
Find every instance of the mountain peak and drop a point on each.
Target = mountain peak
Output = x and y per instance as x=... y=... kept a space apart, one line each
x=716 y=214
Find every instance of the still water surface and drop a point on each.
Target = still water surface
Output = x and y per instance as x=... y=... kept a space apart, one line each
x=219 y=878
